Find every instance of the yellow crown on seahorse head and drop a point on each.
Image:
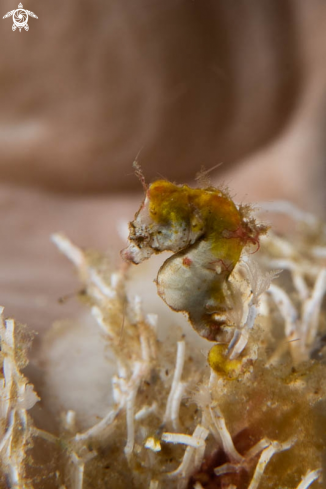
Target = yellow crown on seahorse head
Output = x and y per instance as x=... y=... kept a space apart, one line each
x=20 y=5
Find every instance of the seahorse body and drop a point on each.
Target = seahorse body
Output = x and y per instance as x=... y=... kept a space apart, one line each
x=207 y=233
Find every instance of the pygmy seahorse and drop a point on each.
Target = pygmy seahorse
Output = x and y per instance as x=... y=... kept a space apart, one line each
x=207 y=233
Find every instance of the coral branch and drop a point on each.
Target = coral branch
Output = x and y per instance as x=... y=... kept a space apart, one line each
x=290 y=209
x=173 y=403
x=74 y=254
x=310 y=319
x=16 y=397
x=146 y=411
x=309 y=478
x=267 y=454
x=227 y=442
x=189 y=440
x=97 y=431
x=186 y=467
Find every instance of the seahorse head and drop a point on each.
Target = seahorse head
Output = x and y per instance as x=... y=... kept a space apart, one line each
x=166 y=220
